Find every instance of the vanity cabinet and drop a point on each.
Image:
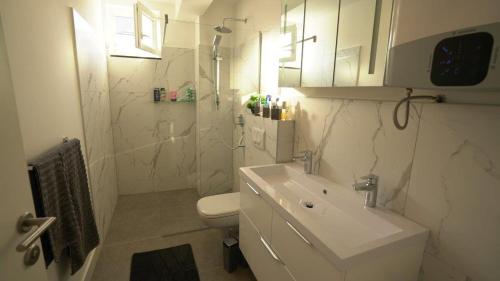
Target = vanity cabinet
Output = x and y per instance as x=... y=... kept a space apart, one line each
x=333 y=43
x=254 y=206
x=278 y=249
x=259 y=255
x=283 y=254
x=305 y=263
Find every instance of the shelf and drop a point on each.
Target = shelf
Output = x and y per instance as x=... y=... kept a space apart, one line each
x=173 y=102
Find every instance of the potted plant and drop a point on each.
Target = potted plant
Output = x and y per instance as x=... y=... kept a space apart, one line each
x=252 y=104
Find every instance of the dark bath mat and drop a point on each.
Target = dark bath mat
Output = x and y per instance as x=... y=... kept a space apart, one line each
x=170 y=264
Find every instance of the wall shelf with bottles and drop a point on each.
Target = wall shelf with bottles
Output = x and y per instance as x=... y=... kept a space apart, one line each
x=174 y=102
x=186 y=95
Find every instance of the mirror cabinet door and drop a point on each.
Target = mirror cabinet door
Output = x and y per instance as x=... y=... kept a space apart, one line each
x=291 y=42
x=334 y=43
x=362 y=42
x=320 y=38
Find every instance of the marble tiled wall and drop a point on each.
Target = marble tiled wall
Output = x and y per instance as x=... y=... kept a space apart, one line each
x=215 y=127
x=93 y=78
x=441 y=172
x=350 y=139
x=278 y=141
x=454 y=191
x=154 y=142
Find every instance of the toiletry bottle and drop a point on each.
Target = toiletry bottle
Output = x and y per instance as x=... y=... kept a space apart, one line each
x=189 y=95
x=258 y=106
x=163 y=94
x=156 y=95
x=266 y=110
x=173 y=95
x=275 y=111
x=284 y=111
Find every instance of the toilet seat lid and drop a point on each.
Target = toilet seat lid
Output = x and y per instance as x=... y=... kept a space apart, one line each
x=221 y=205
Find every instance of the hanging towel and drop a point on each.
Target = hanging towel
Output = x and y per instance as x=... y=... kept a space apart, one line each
x=61 y=179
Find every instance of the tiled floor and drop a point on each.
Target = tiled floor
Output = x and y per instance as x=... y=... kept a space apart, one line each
x=146 y=222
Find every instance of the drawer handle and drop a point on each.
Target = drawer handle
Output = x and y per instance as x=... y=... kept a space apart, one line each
x=299 y=234
x=271 y=252
x=253 y=189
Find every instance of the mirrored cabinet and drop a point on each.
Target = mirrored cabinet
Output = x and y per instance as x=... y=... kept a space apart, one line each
x=320 y=39
x=334 y=43
x=291 y=42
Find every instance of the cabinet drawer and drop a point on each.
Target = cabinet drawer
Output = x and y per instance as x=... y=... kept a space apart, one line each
x=256 y=209
x=302 y=259
x=265 y=265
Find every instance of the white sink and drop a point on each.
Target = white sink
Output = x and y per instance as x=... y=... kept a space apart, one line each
x=332 y=214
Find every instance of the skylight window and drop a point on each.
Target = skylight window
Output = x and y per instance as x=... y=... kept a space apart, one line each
x=133 y=31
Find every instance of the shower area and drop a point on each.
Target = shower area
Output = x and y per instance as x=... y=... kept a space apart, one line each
x=216 y=120
x=187 y=143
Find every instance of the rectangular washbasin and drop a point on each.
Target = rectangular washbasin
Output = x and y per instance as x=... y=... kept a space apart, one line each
x=332 y=213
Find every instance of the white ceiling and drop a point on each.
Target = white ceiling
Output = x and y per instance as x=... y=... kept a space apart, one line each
x=185 y=8
x=196 y=7
x=165 y=1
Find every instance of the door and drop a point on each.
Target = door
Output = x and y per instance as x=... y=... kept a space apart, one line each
x=15 y=191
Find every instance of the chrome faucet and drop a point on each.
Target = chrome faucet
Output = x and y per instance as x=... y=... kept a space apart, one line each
x=307 y=158
x=370 y=185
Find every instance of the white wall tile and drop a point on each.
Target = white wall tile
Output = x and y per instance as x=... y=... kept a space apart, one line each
x=454 y=187
x=95 y=104
x=154 y=142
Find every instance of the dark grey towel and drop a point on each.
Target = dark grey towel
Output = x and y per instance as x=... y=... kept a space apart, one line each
x=62 y=180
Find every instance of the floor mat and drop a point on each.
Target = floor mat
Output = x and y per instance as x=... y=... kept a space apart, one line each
x=170 y=264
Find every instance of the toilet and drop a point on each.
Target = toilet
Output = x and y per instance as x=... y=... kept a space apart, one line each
x=220 y=211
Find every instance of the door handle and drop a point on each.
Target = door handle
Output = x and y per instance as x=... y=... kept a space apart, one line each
x=25 y=223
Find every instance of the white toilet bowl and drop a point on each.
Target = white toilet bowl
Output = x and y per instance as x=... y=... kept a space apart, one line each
x=220 y=211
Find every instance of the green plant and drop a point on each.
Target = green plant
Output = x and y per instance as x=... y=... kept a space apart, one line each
x=252 y=102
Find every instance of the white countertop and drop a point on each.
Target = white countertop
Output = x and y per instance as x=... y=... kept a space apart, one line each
x=338 y=225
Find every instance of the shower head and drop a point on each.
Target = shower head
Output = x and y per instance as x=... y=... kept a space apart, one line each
x=223 y=29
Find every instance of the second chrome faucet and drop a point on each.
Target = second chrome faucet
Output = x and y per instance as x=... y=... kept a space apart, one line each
x=306 y=157
x=370 y=185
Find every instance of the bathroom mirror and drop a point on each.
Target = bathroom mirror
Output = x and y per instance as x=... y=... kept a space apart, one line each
x=362 y=42
x=319 y=43
x=333 y=43
x=291 y=38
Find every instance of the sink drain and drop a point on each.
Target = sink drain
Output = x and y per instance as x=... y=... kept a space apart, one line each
x=308 y=204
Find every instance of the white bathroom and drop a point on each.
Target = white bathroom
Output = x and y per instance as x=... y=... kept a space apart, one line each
x=249 y=140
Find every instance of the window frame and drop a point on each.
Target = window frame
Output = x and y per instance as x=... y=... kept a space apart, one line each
x=139 y=10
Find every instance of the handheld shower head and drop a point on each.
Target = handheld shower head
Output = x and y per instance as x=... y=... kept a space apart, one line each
x=215 y=45
x=217 y=39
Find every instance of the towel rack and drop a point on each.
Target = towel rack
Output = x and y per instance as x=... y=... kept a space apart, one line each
x=65 y=139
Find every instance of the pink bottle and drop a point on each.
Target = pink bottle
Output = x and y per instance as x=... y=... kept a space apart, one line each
x=173 y=95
